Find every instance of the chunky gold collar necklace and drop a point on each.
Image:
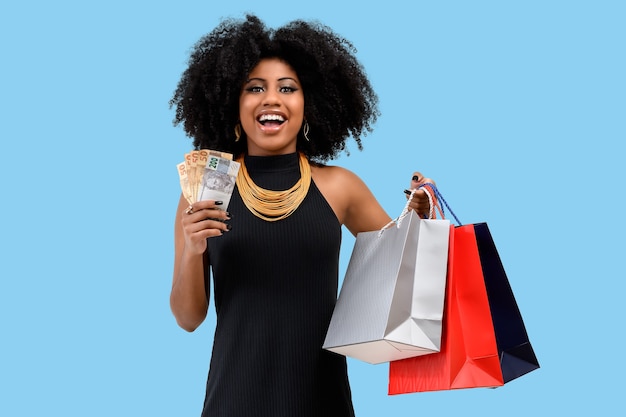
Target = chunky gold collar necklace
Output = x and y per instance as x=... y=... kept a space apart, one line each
x=273 y=205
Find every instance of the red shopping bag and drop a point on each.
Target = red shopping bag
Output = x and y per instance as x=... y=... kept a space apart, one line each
x=469 y=354
x=484 y=340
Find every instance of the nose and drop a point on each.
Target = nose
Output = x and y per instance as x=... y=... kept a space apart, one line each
x=271 y=98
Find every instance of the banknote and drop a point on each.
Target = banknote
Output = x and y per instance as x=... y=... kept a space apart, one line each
x=206 y=174
x=184 y=181
x=218 y=179
x=201 y=159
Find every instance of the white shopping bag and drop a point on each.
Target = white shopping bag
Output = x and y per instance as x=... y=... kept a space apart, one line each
x=390 y=306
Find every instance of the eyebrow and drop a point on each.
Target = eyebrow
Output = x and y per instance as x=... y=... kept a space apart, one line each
x=263 y=79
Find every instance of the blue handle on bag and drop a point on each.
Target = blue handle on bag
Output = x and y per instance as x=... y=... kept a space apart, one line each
x=438 y=195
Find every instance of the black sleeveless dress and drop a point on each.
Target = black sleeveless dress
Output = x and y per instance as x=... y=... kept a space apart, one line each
x=275 y=286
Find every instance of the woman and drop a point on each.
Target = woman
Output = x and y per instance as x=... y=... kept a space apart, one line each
x=282 y=102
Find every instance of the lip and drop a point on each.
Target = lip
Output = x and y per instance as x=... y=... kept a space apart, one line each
x=279 y=113
x=271 y=128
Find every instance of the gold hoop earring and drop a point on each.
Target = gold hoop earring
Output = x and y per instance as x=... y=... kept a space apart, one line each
x=305 y=130
x=237 y=132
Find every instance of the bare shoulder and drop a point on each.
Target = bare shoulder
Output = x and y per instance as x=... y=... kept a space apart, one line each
x=335 y=175
x=349 y=197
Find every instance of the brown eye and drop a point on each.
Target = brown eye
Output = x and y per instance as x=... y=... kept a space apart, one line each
x=254 y=89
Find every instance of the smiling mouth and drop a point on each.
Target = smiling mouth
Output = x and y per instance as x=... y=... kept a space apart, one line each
x=271 y=119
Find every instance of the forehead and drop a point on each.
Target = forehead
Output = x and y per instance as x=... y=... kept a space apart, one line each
x=273 y=68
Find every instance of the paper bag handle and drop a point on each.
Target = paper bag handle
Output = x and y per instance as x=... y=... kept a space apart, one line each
x=439 y=197
x=405 y=211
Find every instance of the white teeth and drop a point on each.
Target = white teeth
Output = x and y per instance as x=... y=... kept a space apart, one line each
x=266 y=117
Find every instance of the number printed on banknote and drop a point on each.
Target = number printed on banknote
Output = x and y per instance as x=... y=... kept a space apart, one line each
x=206 y=174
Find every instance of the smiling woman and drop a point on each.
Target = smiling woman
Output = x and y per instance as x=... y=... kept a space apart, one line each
x=271 y=108
x=339 y=101
x=283 y=102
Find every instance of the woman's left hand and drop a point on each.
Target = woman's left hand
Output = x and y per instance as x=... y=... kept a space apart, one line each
x=419 y=202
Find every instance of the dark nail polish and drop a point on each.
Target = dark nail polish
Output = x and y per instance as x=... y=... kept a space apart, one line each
x=219 y=203
x=415 y=178
x=407 y=192
x=228 y=227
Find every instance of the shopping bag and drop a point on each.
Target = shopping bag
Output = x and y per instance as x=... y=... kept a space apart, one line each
x=484 y=340
x=517 y=356
x=390 y=305
x=469 y=354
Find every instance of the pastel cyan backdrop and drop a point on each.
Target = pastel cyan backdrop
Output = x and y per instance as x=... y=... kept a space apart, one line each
x=516 y=109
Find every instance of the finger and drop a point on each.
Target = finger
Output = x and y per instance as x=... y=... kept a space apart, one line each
x=418 y=195
x=214 y=214
x=416 y=180
x=205 y=226
x=196 y=232
x=197 y=240
x=194 y=213
x=207 y=204
x=214 y=227
x=420 y=202
x=204 y=204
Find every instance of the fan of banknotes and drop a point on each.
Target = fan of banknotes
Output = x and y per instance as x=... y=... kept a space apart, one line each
x=206 y=174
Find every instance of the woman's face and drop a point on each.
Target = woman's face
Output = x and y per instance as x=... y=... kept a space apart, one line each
x=271 y=108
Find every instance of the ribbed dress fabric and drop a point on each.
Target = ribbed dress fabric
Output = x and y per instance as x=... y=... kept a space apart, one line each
x=275 y=286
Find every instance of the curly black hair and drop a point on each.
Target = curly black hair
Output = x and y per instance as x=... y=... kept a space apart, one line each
x=339 y=100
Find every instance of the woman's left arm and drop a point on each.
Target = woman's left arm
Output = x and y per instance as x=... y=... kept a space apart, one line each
x=352 y=201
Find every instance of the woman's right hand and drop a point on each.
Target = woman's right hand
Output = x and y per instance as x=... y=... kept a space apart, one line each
x=193 y=225
x=202 y=220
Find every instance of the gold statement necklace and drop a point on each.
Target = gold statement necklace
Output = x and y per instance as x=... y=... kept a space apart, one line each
x=273 y=205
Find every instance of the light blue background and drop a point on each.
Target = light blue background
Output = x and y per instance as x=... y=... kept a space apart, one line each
x=516 y=108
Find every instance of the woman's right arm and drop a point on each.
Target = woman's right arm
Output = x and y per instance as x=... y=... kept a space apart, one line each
x=188 y=297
